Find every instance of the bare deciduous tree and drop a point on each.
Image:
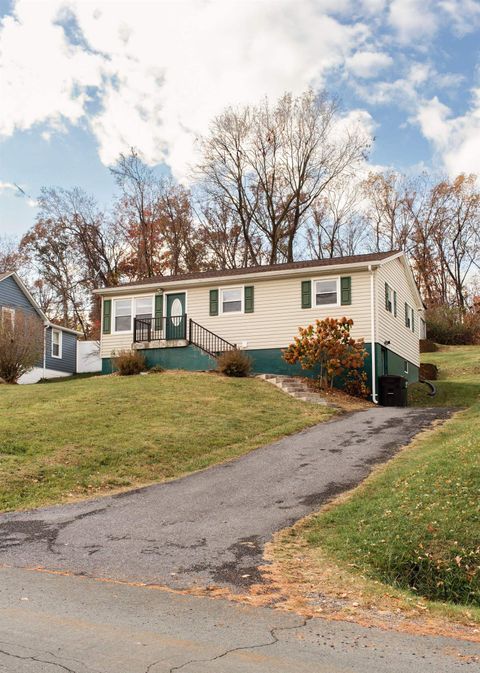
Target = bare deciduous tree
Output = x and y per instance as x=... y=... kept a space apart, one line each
x=11 y=258
x=337 y=224
x=21 y=345
x=270 y=164
x=155 y=215
x=51 y=248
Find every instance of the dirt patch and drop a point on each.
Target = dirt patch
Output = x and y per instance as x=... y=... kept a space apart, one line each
x=337 y=398
x=308 y=582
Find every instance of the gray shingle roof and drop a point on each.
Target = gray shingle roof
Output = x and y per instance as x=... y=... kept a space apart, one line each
x=307 y=264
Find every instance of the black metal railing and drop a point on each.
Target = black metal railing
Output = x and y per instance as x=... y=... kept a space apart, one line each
x=179 y=328
x=160 y=329
x=207 y=341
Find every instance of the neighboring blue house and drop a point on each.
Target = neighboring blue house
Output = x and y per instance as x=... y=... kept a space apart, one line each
x=60 y=343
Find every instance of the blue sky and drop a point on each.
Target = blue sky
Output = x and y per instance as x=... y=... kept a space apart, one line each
x=82 y=81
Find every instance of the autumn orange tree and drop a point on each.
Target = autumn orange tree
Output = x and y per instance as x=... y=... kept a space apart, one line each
x=329 y=346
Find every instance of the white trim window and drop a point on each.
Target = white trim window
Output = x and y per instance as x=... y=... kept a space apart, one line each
x=409 y=318
x=423 y=329
x=143 y=307
x=405 y=366
x=57 y=343
x=231 y=300
x=122 y=315
x=326 y=292
x=390 y=299
x=8 y=314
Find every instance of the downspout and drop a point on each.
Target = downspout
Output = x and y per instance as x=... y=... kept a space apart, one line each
x=45 y=327
x=372 y=329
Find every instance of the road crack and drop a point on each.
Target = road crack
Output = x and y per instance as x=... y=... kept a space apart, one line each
x=41 y=661
x=273 y=641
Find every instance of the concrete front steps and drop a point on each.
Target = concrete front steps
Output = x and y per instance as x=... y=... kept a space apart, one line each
x=295 y=387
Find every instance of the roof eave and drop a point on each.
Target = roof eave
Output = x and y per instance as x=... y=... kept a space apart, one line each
x=212 y=280
x=63 y=329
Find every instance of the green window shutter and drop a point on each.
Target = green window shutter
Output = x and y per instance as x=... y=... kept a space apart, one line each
x=394 y=303
x=406 y=315
x=158 y=311
x=107 y=316
x=213 y=302
x=306 y=294
x=346 y=290
x=386 y=296
x=249 y=296
x=413 y=321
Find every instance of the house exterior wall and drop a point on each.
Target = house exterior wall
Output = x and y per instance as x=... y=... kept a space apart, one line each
x=403 y=341
x=277 y=311
x=11 y=296
x=68 y=362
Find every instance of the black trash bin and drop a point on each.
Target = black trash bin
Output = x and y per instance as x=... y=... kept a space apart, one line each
x=393 y=391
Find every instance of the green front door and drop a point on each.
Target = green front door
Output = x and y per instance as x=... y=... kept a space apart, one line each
x=176 y=318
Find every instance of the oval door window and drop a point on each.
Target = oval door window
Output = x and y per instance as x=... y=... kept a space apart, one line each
x=176 y=311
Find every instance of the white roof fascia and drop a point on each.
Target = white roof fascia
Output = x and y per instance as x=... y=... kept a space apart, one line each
x=37 y=307
x=62 y=328
x=27 y=294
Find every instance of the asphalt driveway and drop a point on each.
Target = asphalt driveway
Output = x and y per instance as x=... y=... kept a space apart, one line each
x=210 y=528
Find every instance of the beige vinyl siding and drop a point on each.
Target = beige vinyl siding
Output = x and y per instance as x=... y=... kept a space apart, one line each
x=277 y=311
x=403 y=341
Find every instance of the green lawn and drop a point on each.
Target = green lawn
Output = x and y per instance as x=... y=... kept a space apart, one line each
x=459 y=378
x=85 y=436
x=415 y=524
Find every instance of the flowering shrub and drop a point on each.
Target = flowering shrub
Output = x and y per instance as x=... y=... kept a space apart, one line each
x=329 y=346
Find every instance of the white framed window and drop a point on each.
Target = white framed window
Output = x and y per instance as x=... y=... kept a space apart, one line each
x=143 y=307
x=124 y=310
x=231 y=300
x=405 y=366
x=122 y=315
x=326 y=292
x=409 y=318
x=390 y=299
x=8 y=314
x=56 y=343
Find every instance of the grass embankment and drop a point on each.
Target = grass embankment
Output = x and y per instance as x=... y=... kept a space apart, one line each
x=414 y=525
x=84 y=437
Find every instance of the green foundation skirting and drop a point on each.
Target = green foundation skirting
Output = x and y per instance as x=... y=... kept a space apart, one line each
x=268 y=361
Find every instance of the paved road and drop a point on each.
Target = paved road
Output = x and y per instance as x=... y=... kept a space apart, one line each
x=55 y=624
x=210 y=528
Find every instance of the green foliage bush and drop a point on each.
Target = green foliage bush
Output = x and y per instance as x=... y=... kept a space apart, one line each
x=234 y=363
x=450 y=326
x=127 y=363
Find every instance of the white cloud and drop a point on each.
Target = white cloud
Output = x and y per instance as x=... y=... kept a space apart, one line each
x=463 y=14
x=161 y=70
x=43 y=77
x=456 y=140
x=413 y=19
x=368 y=64
x=7 y=186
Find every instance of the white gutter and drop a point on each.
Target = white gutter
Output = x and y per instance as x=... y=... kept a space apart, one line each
x=64 y=329
x=45 y=327
x=236 y=278
x=372 y=328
